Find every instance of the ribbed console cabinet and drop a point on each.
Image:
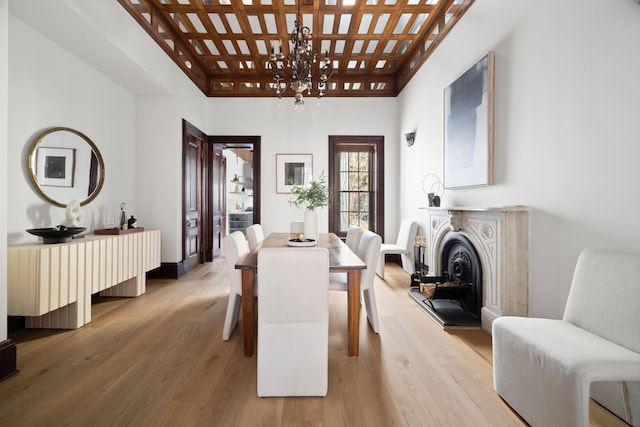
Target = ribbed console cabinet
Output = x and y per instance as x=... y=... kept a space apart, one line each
x=52 y=284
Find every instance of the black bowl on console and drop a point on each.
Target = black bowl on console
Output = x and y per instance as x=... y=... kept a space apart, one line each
x=59 y=234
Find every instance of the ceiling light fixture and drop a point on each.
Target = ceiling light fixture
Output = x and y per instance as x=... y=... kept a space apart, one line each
x=295 y=69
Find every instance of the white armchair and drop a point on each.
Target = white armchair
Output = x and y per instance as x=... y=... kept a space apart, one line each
x=293 y=322
x=402 y=247
x=545 y=368
x=235 y=247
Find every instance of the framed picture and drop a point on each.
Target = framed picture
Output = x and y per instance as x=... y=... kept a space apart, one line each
x=293 y=170
x=55 y=167
x=468 y=127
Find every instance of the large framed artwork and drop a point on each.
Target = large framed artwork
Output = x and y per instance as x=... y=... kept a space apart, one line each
x=468 y=127
x=55 y=167
x=293 y=170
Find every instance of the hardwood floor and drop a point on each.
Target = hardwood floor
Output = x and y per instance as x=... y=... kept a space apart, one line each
x=159 y=360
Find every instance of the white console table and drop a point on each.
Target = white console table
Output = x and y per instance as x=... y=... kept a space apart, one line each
x=52 y=284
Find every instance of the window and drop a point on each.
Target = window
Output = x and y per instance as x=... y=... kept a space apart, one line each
x=356 y=178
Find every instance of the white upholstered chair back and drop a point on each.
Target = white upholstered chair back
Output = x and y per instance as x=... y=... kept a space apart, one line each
x=407 y=232
x=235 y=247
x=293 y=321
x=255 y=235
x=402 y=247
x=368 y=251
x=354 y=234
x=604 y=297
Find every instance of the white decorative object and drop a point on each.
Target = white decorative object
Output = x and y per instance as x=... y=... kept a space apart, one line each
x=302 y=244
x=74 y=215
x=311 y=224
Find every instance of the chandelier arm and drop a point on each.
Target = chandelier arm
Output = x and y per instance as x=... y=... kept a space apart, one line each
x=295 y=71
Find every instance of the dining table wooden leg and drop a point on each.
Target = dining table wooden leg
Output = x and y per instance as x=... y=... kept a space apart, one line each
x=248 y=310
x=353 y=279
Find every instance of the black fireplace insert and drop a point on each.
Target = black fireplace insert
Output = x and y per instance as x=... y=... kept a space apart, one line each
x=453 y=298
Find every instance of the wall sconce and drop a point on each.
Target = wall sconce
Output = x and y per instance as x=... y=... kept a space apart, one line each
x=411 y=137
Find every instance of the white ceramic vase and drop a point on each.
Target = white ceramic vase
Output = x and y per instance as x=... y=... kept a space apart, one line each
x=311 y=224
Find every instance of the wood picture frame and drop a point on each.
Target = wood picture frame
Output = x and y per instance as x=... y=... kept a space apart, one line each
x=468 y=127
x=293 y=170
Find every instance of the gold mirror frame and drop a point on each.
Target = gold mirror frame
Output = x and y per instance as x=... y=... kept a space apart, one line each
x=33 y=158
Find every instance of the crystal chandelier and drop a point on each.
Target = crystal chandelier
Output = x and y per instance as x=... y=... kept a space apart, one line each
x=295 y=70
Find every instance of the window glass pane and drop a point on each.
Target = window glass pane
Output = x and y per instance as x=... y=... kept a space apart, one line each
x=344 y=161
x=344 y=221
x=344 y=181
x=363 y=182
x=344 y=202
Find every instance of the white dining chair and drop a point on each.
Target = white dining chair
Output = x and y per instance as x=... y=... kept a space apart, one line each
x=402 y=247
x=354 y=234
x=367 y=251
x=293 y=322
x=235 y=247
x=255 y=235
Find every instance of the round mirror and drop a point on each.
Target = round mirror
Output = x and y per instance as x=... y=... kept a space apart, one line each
x=66 y=165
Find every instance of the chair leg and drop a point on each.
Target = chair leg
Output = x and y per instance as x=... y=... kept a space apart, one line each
x=380 y=266
x=372 y=310
x=407 y=263
x=231 y=318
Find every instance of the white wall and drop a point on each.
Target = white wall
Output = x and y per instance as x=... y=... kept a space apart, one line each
x=50 y=87
x=285 y=131
x=566 y=127
x=131 y=106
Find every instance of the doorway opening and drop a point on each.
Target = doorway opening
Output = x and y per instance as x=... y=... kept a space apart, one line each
x=239 y=184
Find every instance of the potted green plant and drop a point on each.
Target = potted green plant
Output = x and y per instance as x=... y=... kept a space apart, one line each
x=311 y=197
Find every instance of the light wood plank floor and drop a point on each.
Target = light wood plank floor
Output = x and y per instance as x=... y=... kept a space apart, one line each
x=159 y=359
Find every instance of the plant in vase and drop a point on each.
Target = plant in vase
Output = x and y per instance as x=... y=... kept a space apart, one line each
x=311 y=197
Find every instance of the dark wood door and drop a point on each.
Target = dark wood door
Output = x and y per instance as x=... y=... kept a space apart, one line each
x=192 y=203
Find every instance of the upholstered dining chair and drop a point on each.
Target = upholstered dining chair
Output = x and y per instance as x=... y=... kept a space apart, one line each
x=368 y=251
x=293 y=322
x=255 y=235
x=235 y=247
x=354 y=234
x=402 y=247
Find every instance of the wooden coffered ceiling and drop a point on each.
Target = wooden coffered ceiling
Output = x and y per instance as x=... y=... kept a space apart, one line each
x=223 y=45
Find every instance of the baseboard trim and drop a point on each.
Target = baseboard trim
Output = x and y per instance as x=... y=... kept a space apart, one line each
x=167 y=270
x=8 y=359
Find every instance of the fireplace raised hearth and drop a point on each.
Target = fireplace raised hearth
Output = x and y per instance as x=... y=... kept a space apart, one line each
x=498 y=239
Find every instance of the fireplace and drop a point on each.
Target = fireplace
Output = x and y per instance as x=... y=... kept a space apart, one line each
x=453 y=299
x=487 y=248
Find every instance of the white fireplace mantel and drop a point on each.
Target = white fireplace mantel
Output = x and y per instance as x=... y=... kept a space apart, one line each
x=501 y=238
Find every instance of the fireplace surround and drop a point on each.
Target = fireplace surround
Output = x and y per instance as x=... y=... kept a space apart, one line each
x=500 y=237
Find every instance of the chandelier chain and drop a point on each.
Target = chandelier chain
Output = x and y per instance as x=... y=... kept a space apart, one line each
x=295 y=70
